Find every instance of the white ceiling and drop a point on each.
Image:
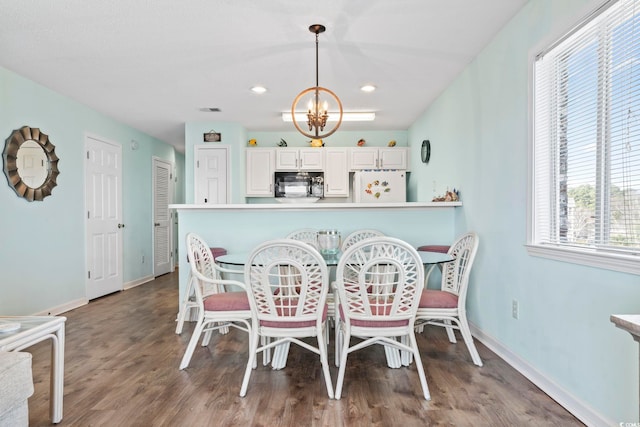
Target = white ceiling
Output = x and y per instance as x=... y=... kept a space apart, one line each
x=156 y=64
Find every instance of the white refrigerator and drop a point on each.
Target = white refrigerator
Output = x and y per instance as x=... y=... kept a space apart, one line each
x=379 y=186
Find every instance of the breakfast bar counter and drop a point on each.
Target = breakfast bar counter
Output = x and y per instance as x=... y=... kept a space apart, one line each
x=316 y=206
x=240 y=227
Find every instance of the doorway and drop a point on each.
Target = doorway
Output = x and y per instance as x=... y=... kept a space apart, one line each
x=103 y=218
x=162 y=217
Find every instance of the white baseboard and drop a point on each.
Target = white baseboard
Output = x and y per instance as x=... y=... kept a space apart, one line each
x=577 y=407
x=137 y=282
x=55 y=311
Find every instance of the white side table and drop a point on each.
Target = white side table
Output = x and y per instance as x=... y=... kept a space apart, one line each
x=34 y=329
x=630 y=323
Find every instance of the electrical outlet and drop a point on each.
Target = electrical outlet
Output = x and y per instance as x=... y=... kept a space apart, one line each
x=515 y=312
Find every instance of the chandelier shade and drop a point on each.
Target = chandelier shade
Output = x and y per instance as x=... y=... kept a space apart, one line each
x=316 y=102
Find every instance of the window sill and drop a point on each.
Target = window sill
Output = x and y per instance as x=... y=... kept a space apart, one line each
x=617 y=262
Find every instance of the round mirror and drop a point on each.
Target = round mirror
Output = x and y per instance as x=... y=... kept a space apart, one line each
x=30 y=163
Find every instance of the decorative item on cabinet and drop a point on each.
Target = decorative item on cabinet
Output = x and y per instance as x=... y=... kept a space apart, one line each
x=449 y=196
x=392 y=143
x=316 y=143
x=361 y=142
x=252 y=142
x=282 y=143
x=211 y=136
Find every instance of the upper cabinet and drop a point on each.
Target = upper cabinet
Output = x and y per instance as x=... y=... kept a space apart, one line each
x=379 y=158
x=336 y=172
x=293 y=159
x=260 y=168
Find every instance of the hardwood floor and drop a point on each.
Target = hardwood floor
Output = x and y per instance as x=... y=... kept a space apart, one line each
x=122 y=358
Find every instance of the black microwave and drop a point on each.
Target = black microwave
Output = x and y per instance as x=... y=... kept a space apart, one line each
x=298 y=184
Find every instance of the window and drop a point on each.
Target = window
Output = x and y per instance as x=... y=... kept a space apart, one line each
x=586 y=143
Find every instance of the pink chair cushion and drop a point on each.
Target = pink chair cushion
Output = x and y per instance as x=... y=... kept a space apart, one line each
x=432 y=298
x=375 y=323
x=216 y=252
x=435 y=248
x=303 y=324
x=227 y=301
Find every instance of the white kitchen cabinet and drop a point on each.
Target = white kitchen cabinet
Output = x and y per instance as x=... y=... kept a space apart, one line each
x=379 y=158
x=336 y=172
x=293 y=159
x=260 y=168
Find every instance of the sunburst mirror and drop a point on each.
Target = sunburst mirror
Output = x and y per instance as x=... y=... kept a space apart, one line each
x=30 y=163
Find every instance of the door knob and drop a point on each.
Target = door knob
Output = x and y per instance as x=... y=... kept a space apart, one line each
x=120 y=225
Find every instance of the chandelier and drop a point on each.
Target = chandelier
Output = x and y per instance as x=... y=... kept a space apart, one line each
x=317 y=109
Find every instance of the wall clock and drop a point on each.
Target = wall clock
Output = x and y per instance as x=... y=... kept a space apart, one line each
x=425 y=151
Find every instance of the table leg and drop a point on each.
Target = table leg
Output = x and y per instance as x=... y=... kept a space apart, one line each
x=57 y=374
x=427 y=274
x=406 y=356
x=280 y=354
x=393 y=357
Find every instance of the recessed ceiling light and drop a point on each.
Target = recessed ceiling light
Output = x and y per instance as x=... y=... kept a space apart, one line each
x=368 y=88
x=258 y=89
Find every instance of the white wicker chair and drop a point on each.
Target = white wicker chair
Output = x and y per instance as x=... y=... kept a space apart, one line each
x=351 y=239
x=307 y=235
x=218 y=308
x=287 y=284
x=378 y=285
x=280 y=354
x=447 y=307
x=359 y=235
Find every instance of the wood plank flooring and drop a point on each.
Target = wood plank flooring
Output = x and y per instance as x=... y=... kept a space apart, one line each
x=122 y=358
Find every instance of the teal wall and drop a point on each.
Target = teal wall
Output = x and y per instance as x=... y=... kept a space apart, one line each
x=42 y=249
x=479 y=130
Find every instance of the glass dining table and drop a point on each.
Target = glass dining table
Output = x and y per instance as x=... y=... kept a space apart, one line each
x=394 y=357
x=429 y=259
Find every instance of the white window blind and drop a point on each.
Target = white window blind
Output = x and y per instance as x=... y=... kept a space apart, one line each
x=586 y=164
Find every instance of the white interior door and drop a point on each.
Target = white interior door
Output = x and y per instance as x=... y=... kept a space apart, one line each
x=162 y=224
x=211 y=175
x=103 y=201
